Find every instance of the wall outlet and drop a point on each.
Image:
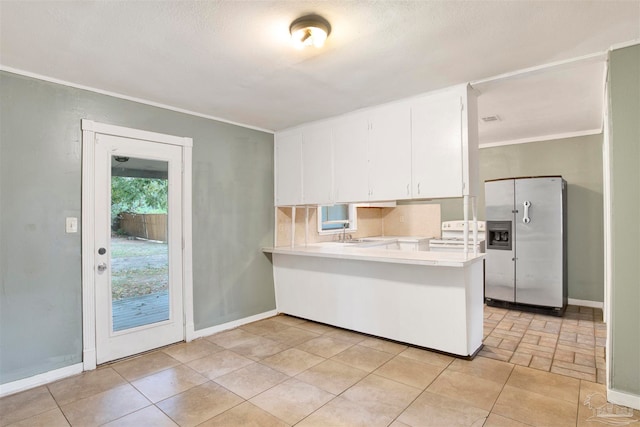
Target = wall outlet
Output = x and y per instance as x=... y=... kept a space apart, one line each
x=401 y=219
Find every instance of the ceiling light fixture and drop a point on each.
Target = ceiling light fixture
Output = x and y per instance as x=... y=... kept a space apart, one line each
x=309 y=30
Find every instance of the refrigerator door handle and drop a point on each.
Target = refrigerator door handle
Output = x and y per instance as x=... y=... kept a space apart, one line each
x=526 y=218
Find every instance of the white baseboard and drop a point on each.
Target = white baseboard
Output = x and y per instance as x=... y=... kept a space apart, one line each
x=233 y=324
x=624 y=399
x=40 y=379
x=585 y=303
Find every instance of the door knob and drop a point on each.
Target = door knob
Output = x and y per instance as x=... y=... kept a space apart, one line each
x=102 y=267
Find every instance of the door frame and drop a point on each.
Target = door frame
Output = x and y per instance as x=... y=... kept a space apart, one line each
x=89 y=131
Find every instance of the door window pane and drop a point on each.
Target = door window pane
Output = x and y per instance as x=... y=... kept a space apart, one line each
x=139 y=242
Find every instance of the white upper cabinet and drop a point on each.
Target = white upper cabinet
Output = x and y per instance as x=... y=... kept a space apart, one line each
x=317 y=159
x=288 y=168
x=441 y=144
x=422 y=148
x=437 y=146
x=390 y=152
x=351 y=159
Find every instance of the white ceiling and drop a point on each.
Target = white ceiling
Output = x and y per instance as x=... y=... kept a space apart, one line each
x=233 y=59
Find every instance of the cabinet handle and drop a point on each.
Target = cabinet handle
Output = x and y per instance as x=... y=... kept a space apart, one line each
x=407 y=189
x=418 y=188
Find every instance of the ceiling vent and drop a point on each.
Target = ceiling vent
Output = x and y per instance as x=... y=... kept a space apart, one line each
x=491 y=119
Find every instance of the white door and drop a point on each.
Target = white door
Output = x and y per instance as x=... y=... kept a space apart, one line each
x=436 y=135
x=288 y=164
x=390 y=152
x=351 y=159
x=317 y=156
x=138 y=255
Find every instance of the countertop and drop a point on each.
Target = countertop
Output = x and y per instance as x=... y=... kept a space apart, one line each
x=374 y=254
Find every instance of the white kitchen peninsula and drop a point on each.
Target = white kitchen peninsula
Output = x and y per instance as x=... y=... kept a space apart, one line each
x=428 y=299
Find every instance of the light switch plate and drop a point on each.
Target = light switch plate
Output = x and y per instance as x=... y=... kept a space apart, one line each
x=72 y=225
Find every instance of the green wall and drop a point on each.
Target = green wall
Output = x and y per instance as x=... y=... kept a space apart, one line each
x=579 y=161
x=624 y=92
x=40 y=179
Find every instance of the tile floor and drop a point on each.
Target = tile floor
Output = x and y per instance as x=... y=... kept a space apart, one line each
x=572 y=345
x=286 y=371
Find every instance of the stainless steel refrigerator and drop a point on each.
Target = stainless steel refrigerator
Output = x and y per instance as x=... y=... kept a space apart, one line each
x=526 y=237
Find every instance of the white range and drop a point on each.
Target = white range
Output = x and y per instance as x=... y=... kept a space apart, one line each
x=453 y=237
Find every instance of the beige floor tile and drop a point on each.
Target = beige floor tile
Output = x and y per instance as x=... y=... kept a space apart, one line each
x=292 y=336
x=292 y=400
x=341 y=412
x=507 y=335
x=188 y=351
x=50 y=418
x=84 y=385
x=292 y=361
x=26 y=404
x=149 y=416
x=475 y=391
x=381 y=396
x=535 y=350
x=246 y=415
x=488 y=369
x=267 y=326
x=384 y=345
x=432 y=410
x=104 y=407
x=251 y=380
x=288 y=320
x=531 y=339
x=576 y=348
x=564 y=355
x=576 y=366
x=495 y=420
x=427 y=356
x=533 y=408
x=521 y=359
x=199 y=404
x=545 y=383
x=574 y=374
x=318 y=328
x=167 y=383
x=218 y=364
x=345 y=335
x=397 y=423
x=541 y=363
x=492 y=341
x=324 y=346
x=495 y=353
x=365 y=358
x=410 y=372
x=507 y=344
x=332 y=376
x=230 y=338
x=259 y=347
x=144 y=365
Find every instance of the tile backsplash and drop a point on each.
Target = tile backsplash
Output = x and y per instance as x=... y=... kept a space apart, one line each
x=404 y=220
x=412 y=220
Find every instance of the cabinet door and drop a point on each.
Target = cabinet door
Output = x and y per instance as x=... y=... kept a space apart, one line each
x=436 y=135
x=317 y=159
x=288 y=168
x=350 y=159
x=390 y=152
